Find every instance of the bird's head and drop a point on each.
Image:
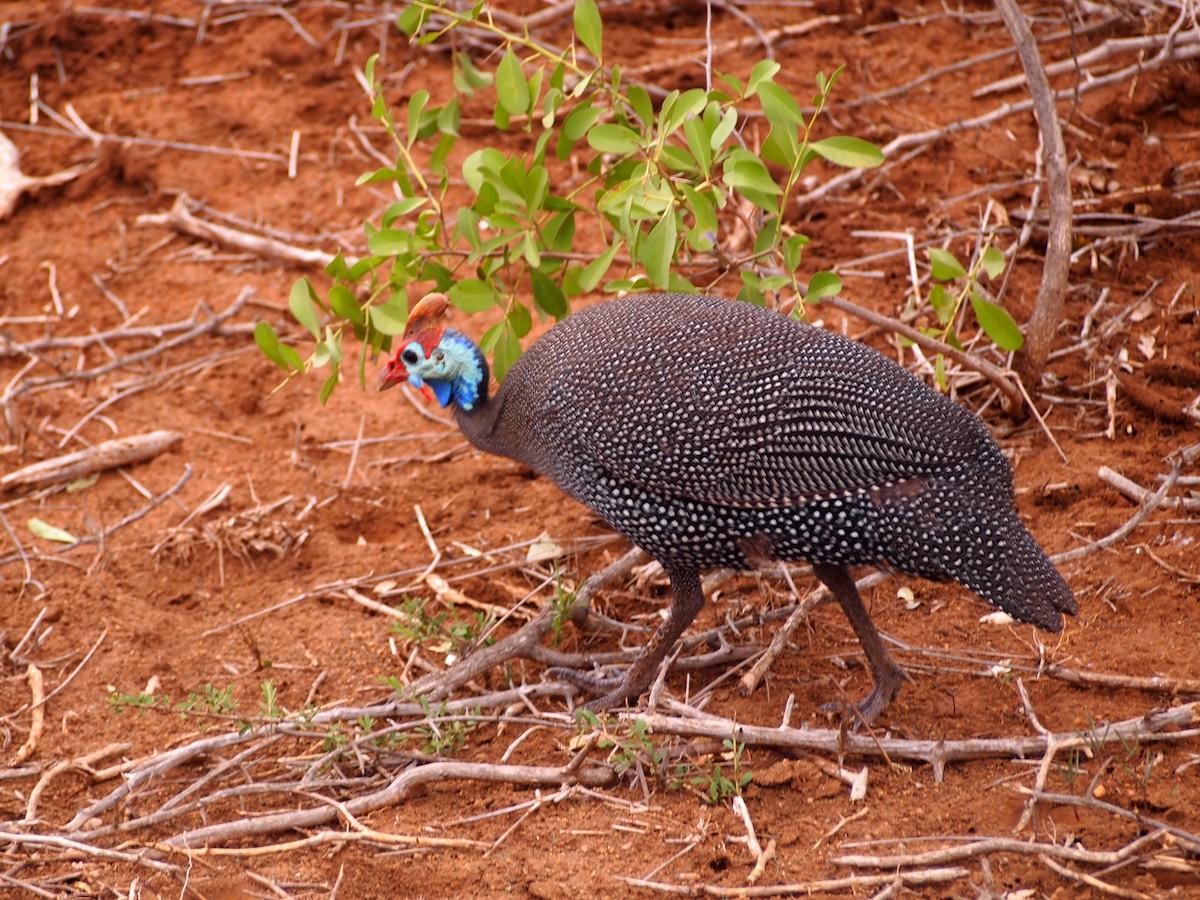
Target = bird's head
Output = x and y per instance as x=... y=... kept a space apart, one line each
x=439 y=361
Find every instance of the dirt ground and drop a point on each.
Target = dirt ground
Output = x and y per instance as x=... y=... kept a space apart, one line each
x=206 y=100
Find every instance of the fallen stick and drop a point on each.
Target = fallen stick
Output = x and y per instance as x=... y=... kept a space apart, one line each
x=108 y=455
x=180 y=218
x=38 y=717
x=851 y=884
x=1135 y=491
x=1150 y=727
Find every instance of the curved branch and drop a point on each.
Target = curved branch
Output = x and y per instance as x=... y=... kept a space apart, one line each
x=1031 y=359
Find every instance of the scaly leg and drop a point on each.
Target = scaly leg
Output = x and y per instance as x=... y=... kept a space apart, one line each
x=888 y=674
x=686 y=600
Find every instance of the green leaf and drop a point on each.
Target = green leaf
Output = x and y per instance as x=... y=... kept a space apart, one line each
x=480 y=166
x=520 y=320
x=512 y=90
x=993 y=262
x=466 y=77
x=702 y=236
x=280 y=354
x=345 y=304
x=764 y=70
x=390 y=242
x=658 y=250
x=823 y=284
x=643 y=106
x=722 y=132
x=610 y=138
x=594 y=271
x=49 y=532
x=946 y=266
x=688 y=104
x=392 y=317
x=507 y=351
x=748 y=175
x=588 y=26
x=851 y=152
x=399 y=209
x=699 y=142
x=268 y=343
x=548 y=296
x=303 y=308
x=330 y=383
x=579 y=120
x=793 y=248
x=473 y=295
x=779 y=106
x=939 y=371
x=409 y=21
x=416 y=105
x=997 y=324
x=943 y=302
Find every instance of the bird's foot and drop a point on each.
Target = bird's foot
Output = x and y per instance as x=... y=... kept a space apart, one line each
x=613 y=690
x=887 y=686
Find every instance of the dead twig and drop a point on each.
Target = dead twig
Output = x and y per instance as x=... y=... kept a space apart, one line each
x=985 y=846
x=1152 y=726
x=915 y=878
x=37 y=715
x=399 y=788
x=1178 y=459
x=1040 y=331
x=181 y=218
x=125 y=451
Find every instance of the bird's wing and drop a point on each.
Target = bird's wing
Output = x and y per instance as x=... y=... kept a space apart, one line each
x=757 y=426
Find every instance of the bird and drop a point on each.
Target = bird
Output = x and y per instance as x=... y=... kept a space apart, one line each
x=713 y=433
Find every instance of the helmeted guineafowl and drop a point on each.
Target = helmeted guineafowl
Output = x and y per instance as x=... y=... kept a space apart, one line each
x=714 y=433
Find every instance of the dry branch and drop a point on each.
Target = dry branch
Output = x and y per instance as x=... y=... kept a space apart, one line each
x=974 y=849
x=38 y=715
x=807 y=888
x=1152 y=726
x=1039 y=333
x=14 y=182
x=399 y=788
x=112 y=454
x=181 y=218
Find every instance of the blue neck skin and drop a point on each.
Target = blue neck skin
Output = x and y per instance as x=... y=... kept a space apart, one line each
x=454 y=372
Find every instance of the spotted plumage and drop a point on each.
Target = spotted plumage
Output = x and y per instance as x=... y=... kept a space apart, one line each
x=714 y=433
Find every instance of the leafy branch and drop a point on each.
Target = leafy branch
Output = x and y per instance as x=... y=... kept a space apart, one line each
x=657 y=183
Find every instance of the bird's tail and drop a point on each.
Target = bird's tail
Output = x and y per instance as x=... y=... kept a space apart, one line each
x=989 y=551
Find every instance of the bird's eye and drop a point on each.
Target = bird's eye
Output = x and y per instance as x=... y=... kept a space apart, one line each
x=410 y=356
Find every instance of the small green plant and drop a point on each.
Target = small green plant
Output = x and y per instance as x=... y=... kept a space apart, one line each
x=717 y=787
x=268 y=706
x=208 y=703
x=335 y=738
x=660 y=177
x=955 y=286
x=562 y=602
x=634 y=751
x=418 y=625
x=209 y=700
x=438 y=630
x=142 y=702
x=444 y=733
x=1074 y=768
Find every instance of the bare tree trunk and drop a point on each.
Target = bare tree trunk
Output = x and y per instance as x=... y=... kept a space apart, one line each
x=1039 y=333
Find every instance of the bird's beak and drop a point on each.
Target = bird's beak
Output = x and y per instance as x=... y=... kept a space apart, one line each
x=387 y=377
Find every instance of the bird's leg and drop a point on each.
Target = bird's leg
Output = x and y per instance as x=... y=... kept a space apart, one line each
x=887 y=673
x=686 y=600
